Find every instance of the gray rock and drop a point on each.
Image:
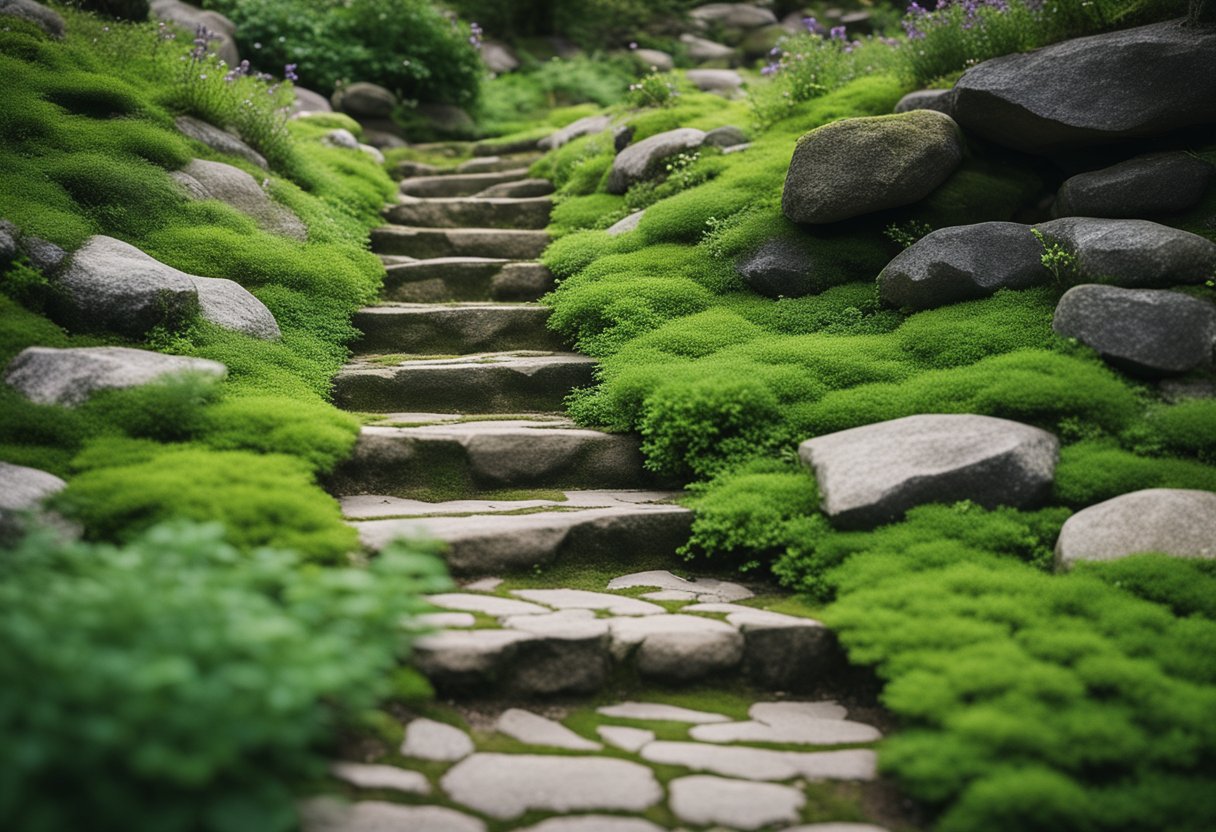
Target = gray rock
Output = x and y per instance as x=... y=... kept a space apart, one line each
x=594 y=823
x=621 y=137
x=442 y=620
x=764 y=763
x=22 y=492
x=426 y=739
x=586 y=126
x=860 y=165
x=326 y=814
x=485 y=604
x=581 y=599
x=215 y=180
x=703 y=800
x=625 y=738
x=498 y=57
x=307 y=101
x=653 y=711
x=1135 y=254
x=533 y=729
x=836 y=827
x=677 y=647
x=9 y=247
x=44 y=256
x=800 y=731
x=447 y=118
x=519 y=189
x=702 y=589
x=654 y=59
x=778 y=269
x=505 y=786
x=940 y=100
x=644 y=160
x=230 y=305
x=68 y=377
x=1169 y=521
x=219 y=140
x=722 y=81
x=190 y=18
x=702 y=50
x=36 y=13
x=873 y=474
x=364 y=100
x=342 y=138
x=759 y=43
x=963 y=262
x=728 y=136
x=625 y=225
x=1137 y=82
x=1149 y=185
x=1149 y=332
x=366 y=776
x=563 y=660
x=734 y=15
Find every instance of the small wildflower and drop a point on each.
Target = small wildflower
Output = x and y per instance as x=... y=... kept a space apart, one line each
x=837 y=33
x=289 y=72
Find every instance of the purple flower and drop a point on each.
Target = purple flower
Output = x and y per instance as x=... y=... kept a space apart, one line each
x=837 y=33
x=289 y=72
x=770 y=69
x=633 y=44
x=811 y=24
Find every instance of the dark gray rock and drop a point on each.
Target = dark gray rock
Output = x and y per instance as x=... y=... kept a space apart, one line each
x=191 y=17
x=1146 y=186
x=69 y=377
x=860 y=165
x=621 y=137
x=1135 y=254
x=940 y=100
x=728 y=136
x=1150 y=332
x=364 y=100
x=778 y=269
x=963 y=262
x=36 y=13
x=871 y=475
x=9 y=235
x=204 y=179
x=643 y=160
x=1146 y=81
x=1170 y=521
x=586 y=126
x=219 y=140
x=22 y=492
x=44 y=256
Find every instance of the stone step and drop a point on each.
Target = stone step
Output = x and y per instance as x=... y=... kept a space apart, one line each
x=448 y=279
x=483 y=537
x=478 y=456
x=496 y=147
x=487 y=383
x=471 y=212
x=458 y=184
x=454 y=329
x=520 y=189
x=509 y=244
x=497 y=164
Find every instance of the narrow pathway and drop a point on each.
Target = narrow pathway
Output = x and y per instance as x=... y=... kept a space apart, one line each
x=564 y=544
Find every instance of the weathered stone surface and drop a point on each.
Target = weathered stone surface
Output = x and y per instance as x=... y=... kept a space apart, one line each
x=702 y=589
x=704 y=800
x=307 y=101
x=461 y=329
x=860 y=165
x=782 y=652
x=785 y=713
x=423 y=243
x=728 y=136
x=215 y=180
x=426 y=739
x=652 y=711
x=498 y=57
x=624 y=737
x=326 y=814
x=476 y=212
x=447 y=118
x=1146 y=186
x=44 y=256
x=70 y=376
x=533 y=729
x=940 y=100
x=1170 y=521
x=190 y=18
x=364 y=100
x=702 y=50
x=654 y=59
x=763 y=763
x=342 y=138
x=506 y=786
x=1135 y=254
x=1149 y=332
x=625 y=225
x=487 y=604
x=46 y=19
x=778 y=269
x=219 y=140
x=734 y=15
x=721 y=81
x=963 y=262
x=644 y=159
x=801 y=730
x=871 y=475
x=677 y=647
x=439 y=620
x=519 y=189
x=594 y=823
x=457 y=184
x=22 y=492
x=1145 y=81
x=585 y=126
x=581 y=599
x=365 y=776
x=230 y=305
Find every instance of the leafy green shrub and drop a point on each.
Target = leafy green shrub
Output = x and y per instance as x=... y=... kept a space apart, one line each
x=317 y=433
x=178 y=685
x=591 y=23
x=1093 y=471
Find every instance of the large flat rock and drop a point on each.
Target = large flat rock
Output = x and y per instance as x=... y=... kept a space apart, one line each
x=70 y=376
x=448 y=279
x=475 y=212
x=534 y=729
x=705 y=800
x=329 y=815
x=873 y=474
x=454 y=329
x=765 y=764
x=1168 y=521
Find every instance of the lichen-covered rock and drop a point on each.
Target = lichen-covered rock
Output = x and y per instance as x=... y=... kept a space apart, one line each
x=364 y=100
x=963 y=262
x=46 y=19
x=873 y=474
x=860 y=165
x=1168 y=521
x=203 y=179
x=1150 y=332
x=220 y=140
x=1145 y=81
x=778 y=269
x=940 y=100
x=69 y=377
x=1134 y=254
x=643 y=160
x=1146 y=186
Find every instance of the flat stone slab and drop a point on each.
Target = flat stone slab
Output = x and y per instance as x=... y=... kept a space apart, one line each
x=658 y=712
x=440 y=620
x=704 y=800
x=701 y=589
x=371 y=506
x=789 y=713
x=677 y=647
x=873 y=474
x=805 y=731
x=594 y=823
x=581 y=599
x=471 y=212
x=520 y=189
x=763 y=763
x=458 y=184
x=367 y=776
x=460 y=328
x=487 y=604
x=426 y=739
x=511 y=244
x=329 y=815
x=465 y=279
x=506 y=786
x=68 y=377
x=1171 y=521
x=624 y=737
x=534 y=729
x=509 y=382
